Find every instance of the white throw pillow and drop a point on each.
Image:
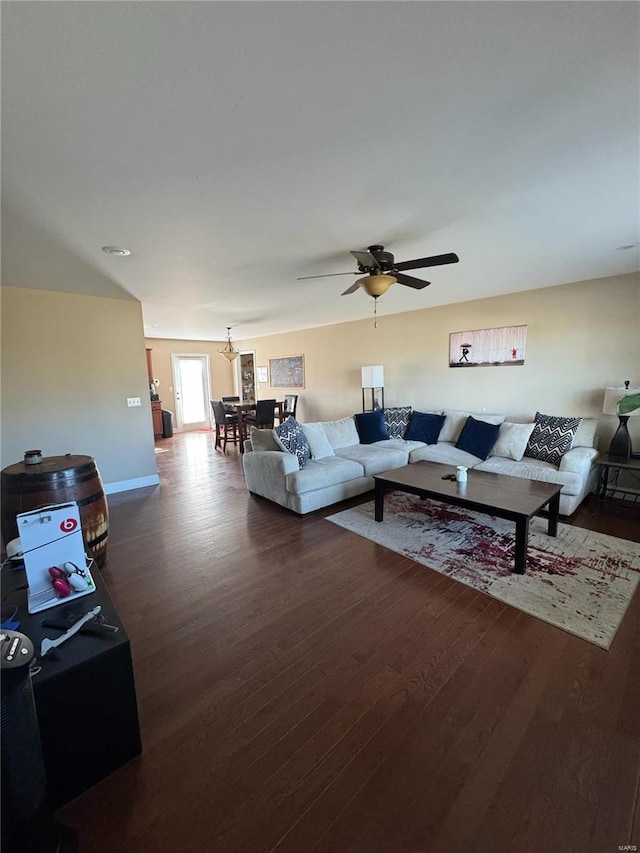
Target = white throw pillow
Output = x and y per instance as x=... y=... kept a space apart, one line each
x=512 y=440
x=318 y=441
x=455 y=419
x=342 y=433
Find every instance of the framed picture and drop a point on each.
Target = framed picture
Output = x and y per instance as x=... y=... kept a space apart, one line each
x=287 y=372
x=488 y=347
x=261 y=374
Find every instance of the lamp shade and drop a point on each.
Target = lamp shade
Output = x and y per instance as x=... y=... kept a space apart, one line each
x=373 y=376
x=612 y=401
x=229 y=354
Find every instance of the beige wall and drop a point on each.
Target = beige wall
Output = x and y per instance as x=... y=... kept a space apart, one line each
x=68 y=364
x=581 y=337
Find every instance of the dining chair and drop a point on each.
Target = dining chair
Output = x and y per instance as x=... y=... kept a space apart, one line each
x=289 y=408
x=226 y=426
x=264 y=414
x=227 y=401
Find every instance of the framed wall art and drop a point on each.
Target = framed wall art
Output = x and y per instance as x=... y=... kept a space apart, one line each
x=488 y=347
x=287 y=372
x=261 y=374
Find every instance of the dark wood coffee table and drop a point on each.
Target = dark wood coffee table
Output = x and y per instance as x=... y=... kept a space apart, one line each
x=513 y=498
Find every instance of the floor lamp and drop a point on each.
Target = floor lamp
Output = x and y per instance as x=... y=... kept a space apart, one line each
x=625 y=403
x=373 y=378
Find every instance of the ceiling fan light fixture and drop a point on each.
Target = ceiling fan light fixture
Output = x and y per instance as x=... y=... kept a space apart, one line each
x=228 y=351
x=376 y=285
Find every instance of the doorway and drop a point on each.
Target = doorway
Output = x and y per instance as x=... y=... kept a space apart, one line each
x=191 y=380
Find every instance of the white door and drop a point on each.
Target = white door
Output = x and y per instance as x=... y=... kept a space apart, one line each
x=191 y=382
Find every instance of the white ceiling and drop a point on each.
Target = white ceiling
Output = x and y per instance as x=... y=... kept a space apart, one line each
x=235 y=146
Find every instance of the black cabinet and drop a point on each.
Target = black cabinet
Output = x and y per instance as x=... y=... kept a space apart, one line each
x=84 y=694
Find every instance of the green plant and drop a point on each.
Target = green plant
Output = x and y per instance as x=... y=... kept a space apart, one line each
x=628 y=404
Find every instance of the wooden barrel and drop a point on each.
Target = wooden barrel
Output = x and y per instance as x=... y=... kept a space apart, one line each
x=57 y=480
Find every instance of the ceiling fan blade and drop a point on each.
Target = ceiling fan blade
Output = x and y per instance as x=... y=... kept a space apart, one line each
x=433 y=261
x=410 y=281
x=366 y=259
x=351 y=289
x=327 y=275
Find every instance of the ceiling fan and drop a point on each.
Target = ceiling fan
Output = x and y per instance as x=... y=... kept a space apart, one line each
x=382 y=271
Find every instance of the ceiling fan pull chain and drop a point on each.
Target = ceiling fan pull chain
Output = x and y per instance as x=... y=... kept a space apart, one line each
x=375 y=313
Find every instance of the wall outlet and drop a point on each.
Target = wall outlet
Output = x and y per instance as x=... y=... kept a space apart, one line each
x=133 y=401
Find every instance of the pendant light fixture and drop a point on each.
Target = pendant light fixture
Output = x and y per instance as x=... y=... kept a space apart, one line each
x=228 y=351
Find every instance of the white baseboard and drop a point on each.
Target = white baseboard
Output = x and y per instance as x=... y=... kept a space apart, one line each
x=127 y=485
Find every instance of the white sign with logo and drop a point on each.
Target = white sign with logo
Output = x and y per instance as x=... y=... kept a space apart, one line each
x=51 y=538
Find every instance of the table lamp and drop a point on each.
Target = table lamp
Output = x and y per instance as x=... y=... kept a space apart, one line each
x=625 y=403
x=373 y=378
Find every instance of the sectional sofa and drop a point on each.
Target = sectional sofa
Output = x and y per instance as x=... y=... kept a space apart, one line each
x=341 y=466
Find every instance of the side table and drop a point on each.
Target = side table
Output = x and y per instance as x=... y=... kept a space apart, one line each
x=609 y=468
x=84 y=692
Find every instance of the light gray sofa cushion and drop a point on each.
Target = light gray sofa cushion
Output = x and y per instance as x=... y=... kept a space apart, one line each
x=579 y=460
x=444 y=452
x=341 y=433
x=586 y=433
x=545 y=472
x=318 y=441
x=373 y=458
x=399 y=444
x=320 y=473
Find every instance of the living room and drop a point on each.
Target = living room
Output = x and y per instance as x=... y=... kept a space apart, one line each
x=581 y=339
x=327 y=694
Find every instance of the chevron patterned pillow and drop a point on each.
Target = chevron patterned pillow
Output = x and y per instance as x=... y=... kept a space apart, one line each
x=290 y=437
x=551 y=438
x=396 y=420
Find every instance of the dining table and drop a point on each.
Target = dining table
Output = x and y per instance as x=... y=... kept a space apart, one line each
x=243 y=408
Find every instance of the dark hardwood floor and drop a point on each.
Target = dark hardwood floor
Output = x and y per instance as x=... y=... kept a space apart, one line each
x=301 y=689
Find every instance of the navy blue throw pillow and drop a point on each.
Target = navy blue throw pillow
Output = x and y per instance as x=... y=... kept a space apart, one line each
x=478 y=437
x=370 y=426
x=424 y=427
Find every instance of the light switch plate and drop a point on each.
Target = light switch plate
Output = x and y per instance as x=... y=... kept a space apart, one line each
x=133 y=401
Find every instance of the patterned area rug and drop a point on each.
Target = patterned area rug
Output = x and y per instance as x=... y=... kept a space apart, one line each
x=580 y=581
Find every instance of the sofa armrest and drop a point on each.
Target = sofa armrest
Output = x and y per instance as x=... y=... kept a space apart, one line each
x=265 y=472
x=579 y=460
